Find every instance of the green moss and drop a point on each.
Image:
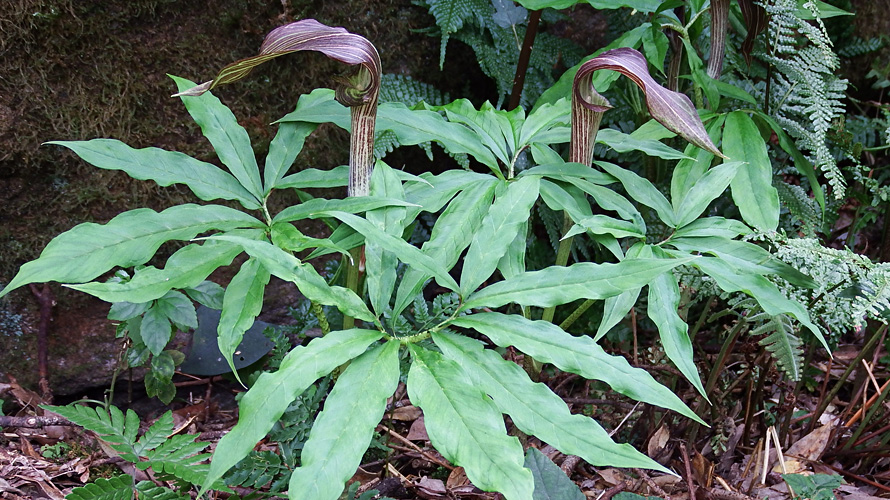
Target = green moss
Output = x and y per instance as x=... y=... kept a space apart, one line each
x=81 y=70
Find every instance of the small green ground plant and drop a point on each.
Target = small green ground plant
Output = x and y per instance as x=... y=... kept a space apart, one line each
x=475 y=252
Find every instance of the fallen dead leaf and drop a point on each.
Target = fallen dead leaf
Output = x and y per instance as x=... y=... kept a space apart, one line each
x=612 y=476
x=806 y=449
x=417 y=432
x=406 y=413
x=658 y=441
x=458 y=477
x=430 y=488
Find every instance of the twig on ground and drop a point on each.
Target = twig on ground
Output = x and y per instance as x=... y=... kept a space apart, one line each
x=413 y=446
x=652 y=484
x=688 y=467
x=614 y=490
x=33 y=422
x=569 y=464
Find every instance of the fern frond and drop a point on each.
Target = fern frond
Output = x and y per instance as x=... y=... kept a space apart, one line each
x=422 y=312
x=258 y=470
x=114 y=428
x=803 y=208
x=156 y=434
x=860 y=46
x=452 y=15
x=150 y=491
x=808 y=94
x=404 y=89
x=782 y=344
x=116 y=488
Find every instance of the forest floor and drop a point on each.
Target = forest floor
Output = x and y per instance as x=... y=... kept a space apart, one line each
x=735 y=459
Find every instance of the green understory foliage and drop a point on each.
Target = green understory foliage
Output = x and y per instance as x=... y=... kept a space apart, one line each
x=439 y=273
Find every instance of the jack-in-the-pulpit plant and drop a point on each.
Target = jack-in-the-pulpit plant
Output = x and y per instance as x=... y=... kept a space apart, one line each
x=476 y=252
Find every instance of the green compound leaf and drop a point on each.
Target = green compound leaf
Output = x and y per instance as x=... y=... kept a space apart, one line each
x=113 y=427
x=206 y=180
x=744 y=256
x=229 y=139
x=752 y=187
x=603 y=224
x=266 y=401
x=466 y=427
x=499 y=228
x=155 y=330
x=411 y=126
x=712 y=226
x=289 y=268
x=344 y=429
x=551 y=483
x=381 y=264
x=407 y=253
x=177 y=307
x=150 y=491
x=560 y=285
x=664 y=300
x=242 y=303
x=156 y=435
x=625 y=143
x=642 y=190
x=116 y=488
x=535 y=409
x=617 y=307
x=764 y=291
x=283 y=150
x=132 y=238
x=452 y=233
x=186 y=268
x=319 y=206
x=707 y=188
x=314 y=178
x=548 y=343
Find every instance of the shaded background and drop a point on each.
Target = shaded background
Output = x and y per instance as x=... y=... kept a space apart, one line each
x=77 y=70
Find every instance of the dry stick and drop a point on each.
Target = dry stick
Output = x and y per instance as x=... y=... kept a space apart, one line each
x=415 y=447
x=568 y=465
x=611 y=492
x=524 y=57
x=689 y=482
x=46 y=300
x=719 y=363
x=875 y=404
x=651 y=484
x=789 y=415
x=857 y=477
x=867 y=404
x=33 y=422
x=871 y=375
x=823 y=404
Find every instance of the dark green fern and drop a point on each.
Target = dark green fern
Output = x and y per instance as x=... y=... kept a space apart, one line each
x=177 y=458
x=780 y=342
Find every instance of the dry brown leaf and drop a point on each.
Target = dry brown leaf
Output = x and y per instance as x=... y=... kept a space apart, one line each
x=430 y=488
x=25 y=397
x=612 y=476
x=703 y=469
x=458 y=477
x=658 y=441
x=417 y=432
x=806 y=449
x=406 y=413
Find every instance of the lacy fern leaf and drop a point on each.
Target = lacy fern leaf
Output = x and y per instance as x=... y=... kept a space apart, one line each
x=807 y=91
x=781 y=342
x=116 y=488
